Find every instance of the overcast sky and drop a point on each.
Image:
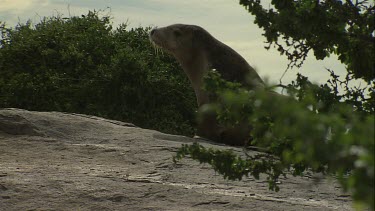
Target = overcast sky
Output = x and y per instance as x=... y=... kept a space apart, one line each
x=224 y=19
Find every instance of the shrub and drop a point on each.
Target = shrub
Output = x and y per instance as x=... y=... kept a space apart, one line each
x=83 y=65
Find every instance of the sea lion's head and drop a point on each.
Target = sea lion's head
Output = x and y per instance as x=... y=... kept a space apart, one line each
x=178 y=39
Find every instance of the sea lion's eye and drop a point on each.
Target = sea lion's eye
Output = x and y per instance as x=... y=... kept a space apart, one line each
x=177 y=33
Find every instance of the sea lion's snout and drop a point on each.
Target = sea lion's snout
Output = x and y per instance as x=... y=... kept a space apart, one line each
x=154 y=36
x=159 y=38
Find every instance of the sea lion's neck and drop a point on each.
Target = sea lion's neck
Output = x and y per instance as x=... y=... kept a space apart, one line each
x=195 y=67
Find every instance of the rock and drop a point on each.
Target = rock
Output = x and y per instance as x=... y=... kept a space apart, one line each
x=61 y=161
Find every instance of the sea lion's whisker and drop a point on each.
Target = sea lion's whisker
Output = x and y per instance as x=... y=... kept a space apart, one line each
x=155 y=48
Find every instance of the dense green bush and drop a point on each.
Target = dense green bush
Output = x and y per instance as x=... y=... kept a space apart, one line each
x=83 y=65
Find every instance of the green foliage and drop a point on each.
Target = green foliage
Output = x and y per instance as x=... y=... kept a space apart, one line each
x=83 y=65
x=328 y=27
x=326 y=128
x=232 y=166
x=310 y=132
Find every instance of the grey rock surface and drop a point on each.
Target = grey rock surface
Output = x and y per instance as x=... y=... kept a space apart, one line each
x=61 y=161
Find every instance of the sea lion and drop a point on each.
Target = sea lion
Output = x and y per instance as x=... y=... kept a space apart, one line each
x=198 y=52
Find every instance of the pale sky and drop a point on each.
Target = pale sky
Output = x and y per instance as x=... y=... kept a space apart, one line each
x=224 y=19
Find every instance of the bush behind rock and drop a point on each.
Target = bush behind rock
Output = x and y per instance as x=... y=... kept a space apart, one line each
x=83 y=65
